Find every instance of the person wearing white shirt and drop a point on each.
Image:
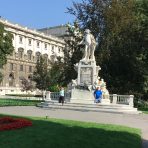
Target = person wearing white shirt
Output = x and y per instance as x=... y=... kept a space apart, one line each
x=61 y=98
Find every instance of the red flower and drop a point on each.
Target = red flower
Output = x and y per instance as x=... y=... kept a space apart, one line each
x=9 y=123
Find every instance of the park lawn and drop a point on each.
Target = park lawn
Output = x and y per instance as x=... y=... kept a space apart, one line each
x=18 y=102
x=57 y=133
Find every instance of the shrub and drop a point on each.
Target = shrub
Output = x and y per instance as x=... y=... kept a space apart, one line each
x=53 y=88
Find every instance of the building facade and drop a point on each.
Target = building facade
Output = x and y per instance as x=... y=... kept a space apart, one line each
x=28 y=46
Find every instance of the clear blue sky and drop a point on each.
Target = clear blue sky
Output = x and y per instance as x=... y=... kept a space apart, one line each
x=36 y=13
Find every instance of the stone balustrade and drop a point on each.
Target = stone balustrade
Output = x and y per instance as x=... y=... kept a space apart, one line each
x=122 y=99
x=114 y=98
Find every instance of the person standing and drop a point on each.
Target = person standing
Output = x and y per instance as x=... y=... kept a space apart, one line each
x=98 y=95
x=61 y=98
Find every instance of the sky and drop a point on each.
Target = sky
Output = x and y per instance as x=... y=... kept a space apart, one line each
x=37 y=14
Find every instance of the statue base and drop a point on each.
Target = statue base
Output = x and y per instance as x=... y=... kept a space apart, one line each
x=85 y=97
x=87 y=72
x=82 y=96
x=87 y=81
x=105 y=101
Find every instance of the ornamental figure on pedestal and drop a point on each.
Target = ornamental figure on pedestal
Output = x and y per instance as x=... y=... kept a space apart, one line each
x=90 y=45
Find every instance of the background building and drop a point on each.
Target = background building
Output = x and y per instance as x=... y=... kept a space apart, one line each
x=28 y=46
x=58 y=31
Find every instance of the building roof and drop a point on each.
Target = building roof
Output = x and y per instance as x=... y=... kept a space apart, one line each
x=58 y=31
x=31 y=31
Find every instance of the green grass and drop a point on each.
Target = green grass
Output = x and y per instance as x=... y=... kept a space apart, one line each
x=18 y=102
x=56 y=133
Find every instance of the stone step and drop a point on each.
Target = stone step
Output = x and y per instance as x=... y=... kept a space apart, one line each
x=90 y=107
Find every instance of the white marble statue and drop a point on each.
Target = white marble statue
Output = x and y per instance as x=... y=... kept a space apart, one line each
x=105 y=92
x=90 y=45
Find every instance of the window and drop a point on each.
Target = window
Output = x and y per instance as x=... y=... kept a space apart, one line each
x=38 y=56
x=38 y=44
x=11 y=79
x=59 y=49
x=45 y=46
x=30 y=68
x=29 y=53
x=52 y=50
x=29 y=42
x=20 y=52
x=20 y=39
x=11 y=66
x=45 y=56
x=21 y=67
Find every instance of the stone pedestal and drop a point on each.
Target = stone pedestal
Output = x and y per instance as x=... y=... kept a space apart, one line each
x=87 y=72
x=86 y=97
x=82 y=96
x=48 y=98
x=105 y=101
x=86 y=83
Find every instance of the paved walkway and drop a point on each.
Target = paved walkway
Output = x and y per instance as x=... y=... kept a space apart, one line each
x=136 y=121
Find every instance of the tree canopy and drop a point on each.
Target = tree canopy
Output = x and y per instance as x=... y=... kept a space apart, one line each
x=41 y=74
x=63 y=70
x=6 y=46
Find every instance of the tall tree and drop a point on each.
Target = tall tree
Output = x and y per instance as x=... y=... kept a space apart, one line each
x=41 y=74
x=90 y=15
x=6 y=46
x=63 y=70
x=124 y=44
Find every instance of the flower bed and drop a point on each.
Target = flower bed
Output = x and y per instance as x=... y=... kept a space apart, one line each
x=9 y=123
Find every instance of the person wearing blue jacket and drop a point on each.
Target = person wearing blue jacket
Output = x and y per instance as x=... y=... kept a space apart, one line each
x=98 y=95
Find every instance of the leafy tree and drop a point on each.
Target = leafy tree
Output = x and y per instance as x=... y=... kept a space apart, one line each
x=89 y=13
x=124 y=62
x=62 y=71
x=6 y=46
x=41 y=74
x=55 y=75
x=27 y=85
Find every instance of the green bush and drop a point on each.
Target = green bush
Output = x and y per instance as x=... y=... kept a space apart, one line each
x=53 y=88
x=140 y=103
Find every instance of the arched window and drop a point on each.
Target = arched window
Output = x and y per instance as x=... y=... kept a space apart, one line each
x=20 y=39
x=11 y=79
x=29 y=54
x=52 y=49
x=38 y=56
x=45 y=56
